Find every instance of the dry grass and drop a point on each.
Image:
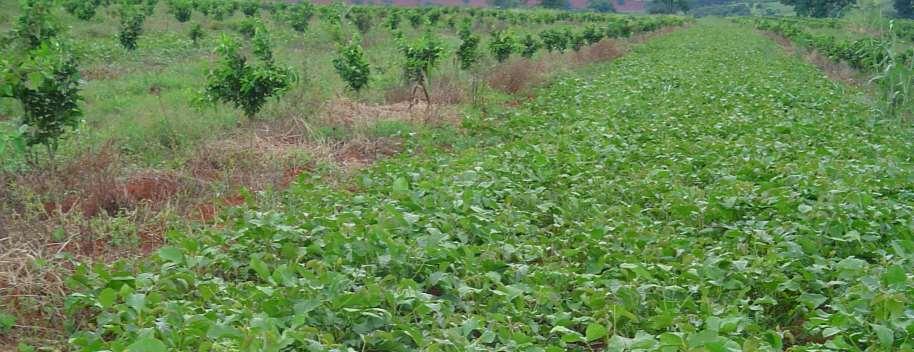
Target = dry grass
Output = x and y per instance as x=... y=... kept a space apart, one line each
x=96 y=209
x=443 y=90
x=514 y=76
x=604 y=50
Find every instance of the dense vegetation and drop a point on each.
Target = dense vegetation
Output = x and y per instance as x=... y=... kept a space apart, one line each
x=705 y=192
x=889 y=58
x=119 y=120
x=686 y=197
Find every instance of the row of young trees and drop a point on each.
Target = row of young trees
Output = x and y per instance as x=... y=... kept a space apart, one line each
x=41 y=70
x=248 y=86
x=422 y=55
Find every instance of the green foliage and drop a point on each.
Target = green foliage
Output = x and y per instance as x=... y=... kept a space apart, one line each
x=149 y=7
x=299 y=15
x=45 y=81
x=352 y=66
x=361 y=18
x=603 y=6
x=7 y=321
x=246 y=86
x=554 y=40
x=131 y=26
x=433 y=17
x=196 y=33
x=249 y=7
x=819 y=8
x=555 y=4
x=667 y=6
x=415 y=19
x=247 y=27
x=501 y=45
x=529 y=46
x=468 y=51
x=35 y=25
x=181 y=9
x=393 y=20
x=592 y=34
x=82 y=9
x=420 y=57
x=707 y=192
x=263 y=44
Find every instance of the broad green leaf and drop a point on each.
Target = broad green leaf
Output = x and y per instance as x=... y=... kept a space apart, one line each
x=885 y=335
x=172 y=254
x=107 y=297
x=595 y=331
x=147 y=344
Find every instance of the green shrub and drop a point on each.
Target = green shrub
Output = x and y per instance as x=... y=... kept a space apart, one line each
x=246 y=86
x=420 y=58
x=553 y=40
x=501 y=45
x=298 y=15
x=131 y=26
x=529 y=46
x=468 y=51
x=351 y=65
x=250 y=7
x=45 y=81
x=415 y=19
x=82 y=9
x=35 y=25
x=393 y=20
x=181 y=9
x=196 y=33
x=361 y=18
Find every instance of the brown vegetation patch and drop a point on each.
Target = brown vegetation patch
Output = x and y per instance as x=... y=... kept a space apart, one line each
x=443 y=90
x=604 y=50
x=354 y=115
x=101 y=72
x=517 y=75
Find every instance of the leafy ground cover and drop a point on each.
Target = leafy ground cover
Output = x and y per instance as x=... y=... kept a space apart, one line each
x=705 y=193
x=150 y=152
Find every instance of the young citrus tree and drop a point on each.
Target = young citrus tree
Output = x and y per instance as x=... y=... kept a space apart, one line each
x=351 y=65
x=40 y=71
x=82 y=9
x=361 y=18
x=299 y=15
x=501 y=45
x=468 y=51
x=250 y=7
x=131 y=26
x=196 y=33
x=554 y=40
x=529 y=46
x=393 y=20
x=245 y=85
x=420 y=58
x=181 y=9
x=35 y=25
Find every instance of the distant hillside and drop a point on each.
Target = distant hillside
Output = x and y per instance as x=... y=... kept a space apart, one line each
x=620 y=5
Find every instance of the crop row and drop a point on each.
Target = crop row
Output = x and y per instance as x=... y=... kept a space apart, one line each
x=868 y=54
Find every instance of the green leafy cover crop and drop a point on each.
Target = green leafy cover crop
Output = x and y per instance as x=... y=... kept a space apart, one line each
x=705 y=193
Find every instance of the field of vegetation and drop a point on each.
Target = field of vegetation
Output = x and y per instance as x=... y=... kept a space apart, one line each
x=259 y=176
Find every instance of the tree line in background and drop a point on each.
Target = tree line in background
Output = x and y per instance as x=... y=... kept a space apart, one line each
x=835 y=8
